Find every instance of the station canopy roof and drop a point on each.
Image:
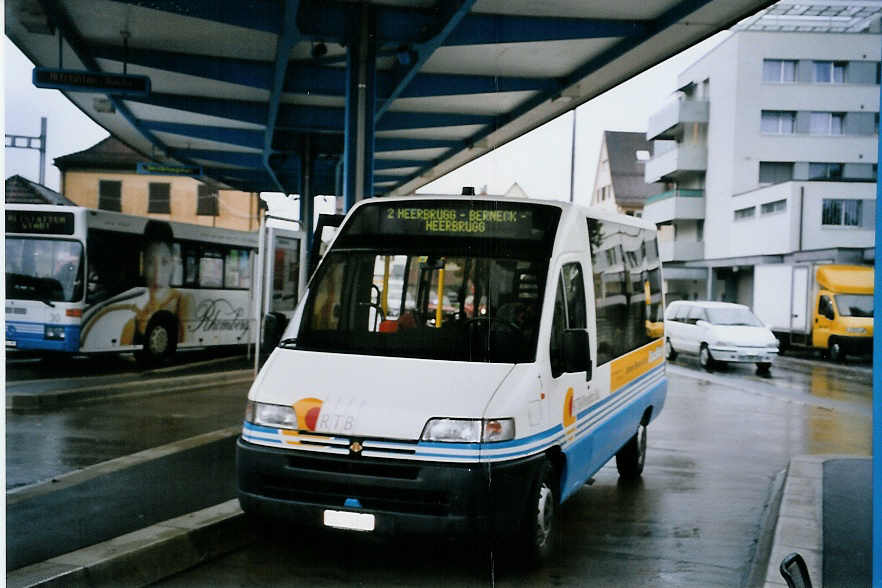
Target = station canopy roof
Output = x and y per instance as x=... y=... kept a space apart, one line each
x=238 y=87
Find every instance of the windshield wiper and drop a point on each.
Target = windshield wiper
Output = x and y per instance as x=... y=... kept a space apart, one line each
x=49 y=303
x=288 y=343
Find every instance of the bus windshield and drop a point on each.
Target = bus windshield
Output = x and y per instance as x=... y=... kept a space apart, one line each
x=860 y=305
x=50 y=270
x=446 y=280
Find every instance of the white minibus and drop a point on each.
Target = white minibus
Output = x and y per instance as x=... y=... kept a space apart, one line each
x=459 y=365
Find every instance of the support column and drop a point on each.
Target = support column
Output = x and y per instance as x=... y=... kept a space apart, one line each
x=358 y=166
x=307 y=198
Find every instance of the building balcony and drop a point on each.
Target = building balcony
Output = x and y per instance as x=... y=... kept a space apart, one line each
x=682 y=161
x=678 y=250
x=674 y=204
x=668 y=122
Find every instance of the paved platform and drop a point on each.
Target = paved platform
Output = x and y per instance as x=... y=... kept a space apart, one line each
x=824 y=513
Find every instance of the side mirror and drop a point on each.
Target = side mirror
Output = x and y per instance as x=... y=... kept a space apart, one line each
x=830 y=314
x=577 y=357
x=795 y=572
x=274 y=324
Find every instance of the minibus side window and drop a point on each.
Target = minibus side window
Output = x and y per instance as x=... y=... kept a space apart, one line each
x=569 y=312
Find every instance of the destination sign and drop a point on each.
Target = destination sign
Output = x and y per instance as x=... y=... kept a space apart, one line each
x=151 y=168
x=88 y=81
x=458 y=221
x=38 y=221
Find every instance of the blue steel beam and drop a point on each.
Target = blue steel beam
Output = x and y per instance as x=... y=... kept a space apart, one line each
x=287 y=39
x=447 y=21
x=247 y=160
x=241 y=137
x=241 y=110
x=405 y=144
x=246 y=72
x=260 y=15
x=396 y=163
x=480 y=29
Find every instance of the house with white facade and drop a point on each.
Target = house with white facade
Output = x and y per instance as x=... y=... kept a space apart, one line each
x=619 y=183
x=767 y=152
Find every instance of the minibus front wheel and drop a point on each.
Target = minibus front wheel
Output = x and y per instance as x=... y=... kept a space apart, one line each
x=540 y=526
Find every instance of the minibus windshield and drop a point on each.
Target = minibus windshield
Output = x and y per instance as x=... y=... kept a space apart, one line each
x=416 y=289
x=44 y=269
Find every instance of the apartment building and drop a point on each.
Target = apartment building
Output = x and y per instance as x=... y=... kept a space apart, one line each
x=767 y=152
x=108 y=176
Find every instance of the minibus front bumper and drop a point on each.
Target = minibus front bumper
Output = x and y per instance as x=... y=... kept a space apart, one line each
x=404 y=496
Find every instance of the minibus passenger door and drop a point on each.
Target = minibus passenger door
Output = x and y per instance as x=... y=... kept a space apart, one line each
x=569 y=349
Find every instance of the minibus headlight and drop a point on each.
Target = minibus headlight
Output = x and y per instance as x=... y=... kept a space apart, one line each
x=271 y=415
x=468 y=430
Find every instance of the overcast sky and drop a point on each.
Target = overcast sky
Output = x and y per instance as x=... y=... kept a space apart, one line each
x=539 y=161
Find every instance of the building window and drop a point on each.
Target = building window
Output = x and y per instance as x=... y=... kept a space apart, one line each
x=159 y=198
x=773 y=207
x=830 y=72
x=778 y=122
x=110 y=195
x=745 y=213
x=842 y=212
x=826 y=123
x=825 y=171
x=699 y=230
x=779 y=70
x=774 y=172
x=207 y=203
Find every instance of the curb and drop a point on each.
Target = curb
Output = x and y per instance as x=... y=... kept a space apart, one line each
x=55 y=399
x=145 y=556
x=757 y=571
x=800 y=519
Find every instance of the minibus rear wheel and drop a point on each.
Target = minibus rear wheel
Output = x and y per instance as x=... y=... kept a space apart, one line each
x=632 y=456
x=670 y=352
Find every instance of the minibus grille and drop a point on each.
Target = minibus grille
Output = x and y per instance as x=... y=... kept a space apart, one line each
x=333 y=494
x=359 y=467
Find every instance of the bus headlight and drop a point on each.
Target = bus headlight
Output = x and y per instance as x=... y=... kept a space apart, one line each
x=271 y=415
x=56 y=333
x=468 y=430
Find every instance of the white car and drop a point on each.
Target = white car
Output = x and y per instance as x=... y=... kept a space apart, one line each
x=718 y=332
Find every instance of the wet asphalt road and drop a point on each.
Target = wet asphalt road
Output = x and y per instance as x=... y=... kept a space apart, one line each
x=692 y=520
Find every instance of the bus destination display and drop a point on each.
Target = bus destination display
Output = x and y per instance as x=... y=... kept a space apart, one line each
x=37 y=221
x=512 y=223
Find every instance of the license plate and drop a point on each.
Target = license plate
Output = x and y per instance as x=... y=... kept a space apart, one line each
x=10 y=343
x=354 y=521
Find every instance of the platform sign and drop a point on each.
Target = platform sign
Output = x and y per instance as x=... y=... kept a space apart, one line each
x=162 y=169
x=89 y=81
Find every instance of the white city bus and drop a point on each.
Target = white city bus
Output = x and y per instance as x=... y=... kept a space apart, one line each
x=88 y=281
x=459 y=364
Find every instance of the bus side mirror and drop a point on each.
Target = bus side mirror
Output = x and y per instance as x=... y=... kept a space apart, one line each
x=575 y=350
x=274 y=324
x=795 y=571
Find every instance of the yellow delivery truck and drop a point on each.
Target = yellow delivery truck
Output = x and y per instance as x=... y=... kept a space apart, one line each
x=821 y=306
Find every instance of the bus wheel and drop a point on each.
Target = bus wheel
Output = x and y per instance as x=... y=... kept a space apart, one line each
x=539 y=529
x=159 y=342
x=670 y=352
x=632 y=456
x=835 y=350
x=705 y=358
